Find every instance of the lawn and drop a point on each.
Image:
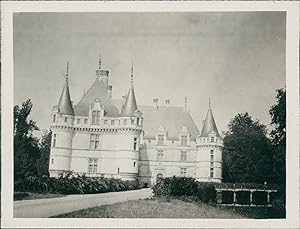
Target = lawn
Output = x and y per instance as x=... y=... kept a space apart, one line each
x=155 y=208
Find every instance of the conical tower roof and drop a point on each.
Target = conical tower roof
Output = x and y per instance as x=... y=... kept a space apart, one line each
x=130 y=105
x=209 y=124
x=65 y=104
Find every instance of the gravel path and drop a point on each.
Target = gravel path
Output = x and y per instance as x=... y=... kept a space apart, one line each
x=42 y=208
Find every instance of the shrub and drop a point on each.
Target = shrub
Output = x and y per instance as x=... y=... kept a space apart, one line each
x=185 y=186
x=73 y=184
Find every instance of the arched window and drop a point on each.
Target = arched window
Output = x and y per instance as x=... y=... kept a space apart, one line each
x=159 y=177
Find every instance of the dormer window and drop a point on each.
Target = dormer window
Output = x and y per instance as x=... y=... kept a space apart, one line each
x=184 y=140
x=125 y=122
x=78 y=121
x=212 y=139
x=112 y=122
x=105 y=122
x=85 y=121
x=132 y=121
x=95 y=117
x=161 y=139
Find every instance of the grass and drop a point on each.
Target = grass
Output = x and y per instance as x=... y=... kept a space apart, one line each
x=155 y=208
x=32 y=196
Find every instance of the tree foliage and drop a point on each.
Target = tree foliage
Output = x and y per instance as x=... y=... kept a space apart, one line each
x=247 y=151
x=278 y=136
x=26 y=147
x=45 y=145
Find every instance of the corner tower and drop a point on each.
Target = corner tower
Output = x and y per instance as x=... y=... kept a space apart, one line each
x=62 y=132
x=129 y=136
x=209 y=151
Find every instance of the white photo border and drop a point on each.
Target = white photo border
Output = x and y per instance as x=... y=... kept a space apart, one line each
x=292 y=86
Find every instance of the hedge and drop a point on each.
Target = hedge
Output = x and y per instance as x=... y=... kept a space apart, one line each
x=74 y=184
x=185 y=186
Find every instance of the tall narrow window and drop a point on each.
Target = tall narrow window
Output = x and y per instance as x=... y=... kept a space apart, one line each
x=134 y=163
x=183 y=156
x=132 y=121
x=54 y=118
x=94 y=141
x=125 y=122
x=161 y=139
x=52 y=161
x=183 y=172
x=138 y=121
x=54 y=140
x=160 y=155
x=135 y=144
x=211 y=163
x=118 y=170
x=93 y=165
x=96 y=117
x=85 y=121
x=112 y=122
x=183 y=140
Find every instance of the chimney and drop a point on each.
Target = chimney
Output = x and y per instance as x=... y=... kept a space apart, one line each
x=155 y=104
x=109 y=91
x=168 y=102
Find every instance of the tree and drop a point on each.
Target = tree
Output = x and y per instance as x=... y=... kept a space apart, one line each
x=247 y=151
x=26 y=147
x=278 y=136
x=43 y=162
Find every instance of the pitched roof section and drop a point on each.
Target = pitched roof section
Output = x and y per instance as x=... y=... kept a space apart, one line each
x=65 y=104
x=130 y=104
x=209 y=125
x=172 y=119
x=97 y=90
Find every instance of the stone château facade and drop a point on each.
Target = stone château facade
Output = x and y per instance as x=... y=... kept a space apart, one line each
x=106 y=137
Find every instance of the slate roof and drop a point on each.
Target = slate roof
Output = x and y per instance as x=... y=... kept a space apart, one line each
x=97 y=90
x=130 y=104
x=172 y=119
x=65 y=104
x=209 y=125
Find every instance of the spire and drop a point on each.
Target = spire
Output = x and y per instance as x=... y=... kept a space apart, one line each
x=130 y=104
x=209 y=123
x=131 y=74
x=65 y=104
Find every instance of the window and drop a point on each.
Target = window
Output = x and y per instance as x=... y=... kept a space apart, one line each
x=134 y=163
x=212 y=172
x=54 y=118
x=78 y=121
x=94 y=141
x=161 y=139
x=212 y=139
x=118 y=170
x=52 y=161
x=112 y=122
x=183 y=172
x=96 y=117
x=211 y=163
x=125 y=122
x=85 y=121
x=160 y=155
x=132 y=121
x=183 y=155
x=93 y=165
x=105 y=122
x=135 y=144
x=138 y=121
x=66 y=119
x=183 y=140
x=54 y=140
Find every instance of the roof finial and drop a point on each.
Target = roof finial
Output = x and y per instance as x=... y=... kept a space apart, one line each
x=132 y=74
x=100 y=62
x=67 y=73
x=209 y=103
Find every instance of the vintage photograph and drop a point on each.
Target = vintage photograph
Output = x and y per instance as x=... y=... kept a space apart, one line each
x=150 y=115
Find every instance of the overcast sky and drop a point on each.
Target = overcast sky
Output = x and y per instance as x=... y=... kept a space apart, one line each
x=237 y=59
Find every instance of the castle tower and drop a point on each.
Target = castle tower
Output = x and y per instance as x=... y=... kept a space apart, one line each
x=209 y=151
x=62 y=132
x=131 y=118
